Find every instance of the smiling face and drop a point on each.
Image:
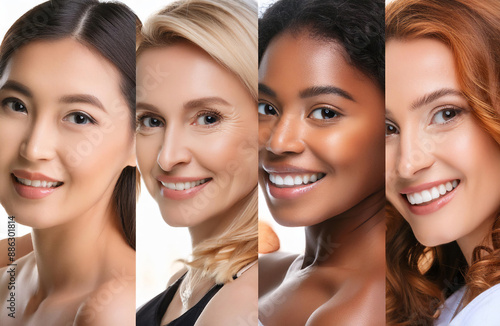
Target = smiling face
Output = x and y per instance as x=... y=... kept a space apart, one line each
x=66 y=133
x=197 y=135
x=320 y=131
x=443 y=169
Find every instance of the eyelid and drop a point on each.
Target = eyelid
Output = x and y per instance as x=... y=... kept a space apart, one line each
x=205 y=112
x=88 y=116
x=458 y=110
x=11 y=99
x=141 y=116
x=275 y=107
x=338 y=114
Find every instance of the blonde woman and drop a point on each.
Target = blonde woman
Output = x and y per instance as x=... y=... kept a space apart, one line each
x=197 y=153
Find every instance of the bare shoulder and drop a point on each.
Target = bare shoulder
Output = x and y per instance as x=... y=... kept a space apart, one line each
x=235 y=303
x=360 y=304
x=112 y=303
x=176 y=276
x=272 y=270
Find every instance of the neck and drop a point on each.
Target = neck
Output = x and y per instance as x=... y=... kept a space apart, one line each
x=343 y=236
x=216 y=225
x=72 y=255
x=480 y=236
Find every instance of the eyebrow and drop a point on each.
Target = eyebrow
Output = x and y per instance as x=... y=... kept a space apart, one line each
x=311 y=91
x=17 y=87
x=67 y=99
x=196 y=103
x=146 y=106
x=266 y=90
x=82 y=98
x=433 y=96
x=320 y=90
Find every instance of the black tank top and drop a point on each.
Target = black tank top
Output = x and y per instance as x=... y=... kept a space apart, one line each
x=152 y=312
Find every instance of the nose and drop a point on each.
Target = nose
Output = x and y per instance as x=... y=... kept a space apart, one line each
x=286 y=136
x=415 y=154
x=174 y=150
x=39 y=142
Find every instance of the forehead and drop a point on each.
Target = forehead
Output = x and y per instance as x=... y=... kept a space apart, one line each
x=169 y=76
x=296 y=61
x=53 y=67
x=417 y=67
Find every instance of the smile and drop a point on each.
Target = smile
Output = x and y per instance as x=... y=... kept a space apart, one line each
x=179 y=186
x=432 y=194
x=286 y=181
x=38 y=183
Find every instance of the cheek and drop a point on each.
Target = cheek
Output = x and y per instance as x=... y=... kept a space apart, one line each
x=147 y=150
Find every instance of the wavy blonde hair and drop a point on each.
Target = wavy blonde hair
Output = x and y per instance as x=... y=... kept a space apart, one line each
x=227 y=31
x=420 y=278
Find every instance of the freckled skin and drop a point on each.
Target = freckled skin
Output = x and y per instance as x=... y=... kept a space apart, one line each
x=426 y=150
x=340 y=279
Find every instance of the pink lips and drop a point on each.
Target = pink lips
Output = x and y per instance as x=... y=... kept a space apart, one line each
x=289 y=192
x=432 y=206
x=180 y=194
x=30 y=192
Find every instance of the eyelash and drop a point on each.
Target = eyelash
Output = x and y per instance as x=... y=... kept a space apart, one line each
x=390 y=124
x=264 y=111
x=11 y=101
x=209 y=113
x=455 y=110
x=142 y=117
x=335 y=113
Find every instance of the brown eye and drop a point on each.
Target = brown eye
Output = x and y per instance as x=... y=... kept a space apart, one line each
x=267 y=109
x=390 y=129
x=324 y=114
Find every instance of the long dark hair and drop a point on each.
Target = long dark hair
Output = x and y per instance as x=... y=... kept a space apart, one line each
x=110 y=29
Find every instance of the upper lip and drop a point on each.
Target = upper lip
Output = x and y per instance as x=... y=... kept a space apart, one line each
x=23 y=174
x=424 y=186
x=286 y=168
x=167 y=179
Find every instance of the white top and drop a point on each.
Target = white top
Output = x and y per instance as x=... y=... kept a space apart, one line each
x=484 y=310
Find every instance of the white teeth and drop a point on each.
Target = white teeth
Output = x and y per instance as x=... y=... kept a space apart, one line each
x=288 y=181
x=38 y=183
x=435 y=193
x=431 y=194
x=183 y=185
x=297 y=180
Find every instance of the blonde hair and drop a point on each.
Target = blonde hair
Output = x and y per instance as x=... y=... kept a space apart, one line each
x=227 y=31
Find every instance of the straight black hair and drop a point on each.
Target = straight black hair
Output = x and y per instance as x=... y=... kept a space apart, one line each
x=108 y=28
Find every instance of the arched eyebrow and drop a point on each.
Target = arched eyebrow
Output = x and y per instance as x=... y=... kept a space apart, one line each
x=320 y=90
x=82 y=98
x=433 y=96
x=311 y=91
x=66 y=99
x=17 y=87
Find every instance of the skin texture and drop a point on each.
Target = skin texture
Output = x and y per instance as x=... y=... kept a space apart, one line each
x=75 y=229
x=428 y=144
x=183 y=145
x=216 y=140
x=343 y=212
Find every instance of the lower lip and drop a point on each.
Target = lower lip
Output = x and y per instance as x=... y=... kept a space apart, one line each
x=29 y=192
x=433 y=206
x=181 y=194
x=289 y=192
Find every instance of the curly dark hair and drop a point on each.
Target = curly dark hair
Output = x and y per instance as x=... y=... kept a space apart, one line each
x=358 y=25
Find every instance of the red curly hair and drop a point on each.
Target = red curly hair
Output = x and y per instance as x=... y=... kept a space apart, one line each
x=420 y=278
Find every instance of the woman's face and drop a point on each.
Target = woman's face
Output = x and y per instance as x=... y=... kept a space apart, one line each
x=443 y=169
x=320 y=131
x=197 y=135
x=65 y=130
